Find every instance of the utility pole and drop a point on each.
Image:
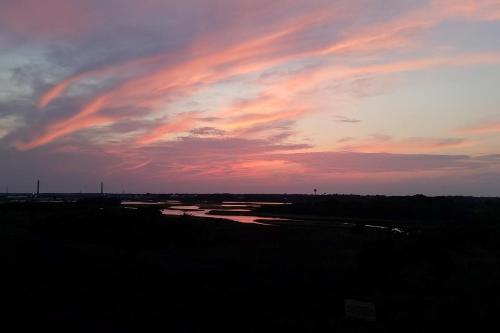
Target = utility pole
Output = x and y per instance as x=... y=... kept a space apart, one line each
x=38 y=187
x=102 y=188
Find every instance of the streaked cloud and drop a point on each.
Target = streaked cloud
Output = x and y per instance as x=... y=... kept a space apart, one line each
x=250 y=90
x=342 y=119
x=482 y=128
x=387 y=144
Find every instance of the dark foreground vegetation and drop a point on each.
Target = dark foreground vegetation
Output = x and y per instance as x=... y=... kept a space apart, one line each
x=98 y=267
x=411 y=209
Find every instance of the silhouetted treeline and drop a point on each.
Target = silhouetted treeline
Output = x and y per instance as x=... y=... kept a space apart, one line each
x=416 y=207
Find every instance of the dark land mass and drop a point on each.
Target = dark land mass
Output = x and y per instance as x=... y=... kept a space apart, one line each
x=95 y=266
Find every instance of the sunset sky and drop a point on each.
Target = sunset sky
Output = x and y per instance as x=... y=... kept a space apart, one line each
x=280 y=96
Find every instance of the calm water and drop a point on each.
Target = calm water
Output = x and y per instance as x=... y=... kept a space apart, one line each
x=185 y=207
x=243 y=207
x=205 y=213
x=258 y=203
x=176 y=208
x=150 y=202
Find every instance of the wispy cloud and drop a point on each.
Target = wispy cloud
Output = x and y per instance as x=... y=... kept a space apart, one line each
x=343 y=119
x=387 y=144
x=211 y=66
x=238 y=88
x=180 y=123
x=482 y=128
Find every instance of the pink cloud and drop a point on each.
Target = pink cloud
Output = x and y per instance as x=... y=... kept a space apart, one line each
x=57 y=90
x=87 y=118
x=180 y=123
x=159 y=79
x=386 y=144
x=149 y=90
x=484 y=128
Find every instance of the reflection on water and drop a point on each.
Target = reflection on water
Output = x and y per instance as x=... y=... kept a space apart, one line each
x=259 y=203
x=204 y=213
x=395 y=230
x=185 y=207
x=173 y=212
x=376 y=226
x=141 y=203
x=175 y=202
x=198 y=212
x=176 y=208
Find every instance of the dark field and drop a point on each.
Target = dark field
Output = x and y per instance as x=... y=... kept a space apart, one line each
x=95 y=267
